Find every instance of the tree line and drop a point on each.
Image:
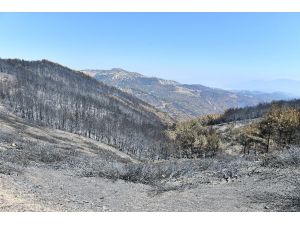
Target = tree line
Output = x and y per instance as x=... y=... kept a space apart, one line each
x=277 y=129
x=251 y=112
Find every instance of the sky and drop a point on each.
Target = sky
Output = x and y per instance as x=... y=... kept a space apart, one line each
x=214 y=49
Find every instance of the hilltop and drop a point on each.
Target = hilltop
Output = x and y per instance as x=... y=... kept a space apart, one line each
x=180 y=101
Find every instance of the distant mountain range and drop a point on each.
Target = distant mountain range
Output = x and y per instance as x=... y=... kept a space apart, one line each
x=291 y=87
x=180 y=101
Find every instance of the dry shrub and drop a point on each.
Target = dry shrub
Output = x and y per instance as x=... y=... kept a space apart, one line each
x=33 y=152
x=8 y=168
x=283 y=159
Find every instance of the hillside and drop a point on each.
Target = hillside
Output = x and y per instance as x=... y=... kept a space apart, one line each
x=53 y=95
x=180 y=101
x=253 y=112
x=71 y=143
x=44 y=169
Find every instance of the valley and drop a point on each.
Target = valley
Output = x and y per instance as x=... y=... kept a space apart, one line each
x=69 y=142
x=44 y=169
x=181 y=101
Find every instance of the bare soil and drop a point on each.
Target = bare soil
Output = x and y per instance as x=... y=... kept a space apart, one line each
x=51 y=176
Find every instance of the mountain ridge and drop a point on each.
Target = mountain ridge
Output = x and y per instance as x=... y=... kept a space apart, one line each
x=180 y=101
x=287 y=86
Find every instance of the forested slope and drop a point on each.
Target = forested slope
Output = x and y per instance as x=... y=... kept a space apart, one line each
x=52 y=95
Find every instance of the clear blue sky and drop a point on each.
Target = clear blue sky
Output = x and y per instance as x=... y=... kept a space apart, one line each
x=205 y=48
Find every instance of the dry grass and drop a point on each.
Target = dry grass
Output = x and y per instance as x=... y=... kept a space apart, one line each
x=9 y=168
x=283 y=201
x=281 y=167
x=283 y=159
x=30 y=152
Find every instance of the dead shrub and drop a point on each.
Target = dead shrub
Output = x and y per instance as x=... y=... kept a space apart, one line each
x=283 y=159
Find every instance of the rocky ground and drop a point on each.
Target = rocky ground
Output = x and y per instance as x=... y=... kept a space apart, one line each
x=44 y=169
